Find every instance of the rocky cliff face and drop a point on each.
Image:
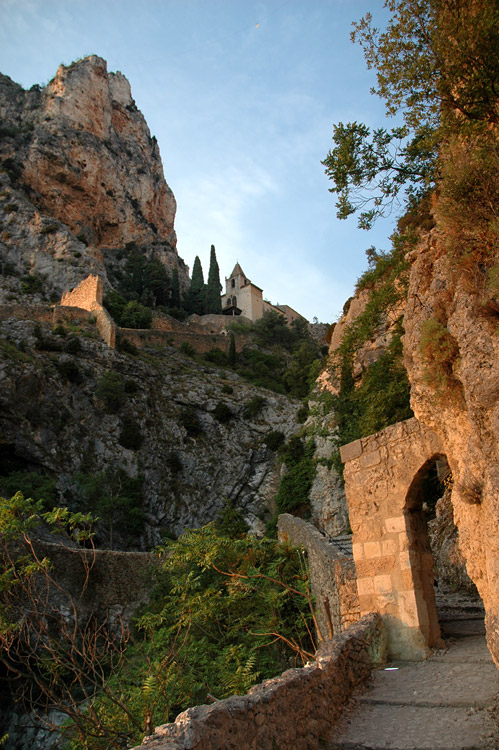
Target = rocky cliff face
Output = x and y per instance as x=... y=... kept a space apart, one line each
x=179 y=428
x=81 y=176
x=452 y=357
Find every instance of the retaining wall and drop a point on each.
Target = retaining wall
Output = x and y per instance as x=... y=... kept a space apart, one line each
x=333 y=578
x=296 y=710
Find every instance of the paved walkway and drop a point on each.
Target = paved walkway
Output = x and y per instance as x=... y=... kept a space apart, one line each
x=448 y=702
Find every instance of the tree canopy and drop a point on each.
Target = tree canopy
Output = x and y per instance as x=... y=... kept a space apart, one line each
x=213 y=289
x=437 y=65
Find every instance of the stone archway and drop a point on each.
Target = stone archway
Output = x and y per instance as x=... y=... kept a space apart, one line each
x=383 y=474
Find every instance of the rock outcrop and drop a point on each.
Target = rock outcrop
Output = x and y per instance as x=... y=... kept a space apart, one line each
x=82 y=177
x=82 y=409
x=457 y=395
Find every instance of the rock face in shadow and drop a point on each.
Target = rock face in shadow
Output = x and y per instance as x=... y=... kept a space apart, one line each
x=457 y=395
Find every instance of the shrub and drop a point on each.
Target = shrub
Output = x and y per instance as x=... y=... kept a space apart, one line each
x=126 y=347
x=274 y=439
x=187 y=349
x=173 y=463
x=217 y=356
x=222 y=413
x=73 y=345
x=190 y=421
x=439 y=350
x=230 y=522
x=70 y=371
x=131 y=386
x=226 y=388
x=110 y=391
x=31 y=285
x=253 y=407
x=130 y=436
x=59 y=330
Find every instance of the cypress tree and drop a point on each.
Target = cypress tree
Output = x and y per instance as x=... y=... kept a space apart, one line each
x=213 y=289
x=175 y=299
x=197 y=289
x=232 y=351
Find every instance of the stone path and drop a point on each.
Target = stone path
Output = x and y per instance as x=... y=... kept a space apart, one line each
x=448 y=702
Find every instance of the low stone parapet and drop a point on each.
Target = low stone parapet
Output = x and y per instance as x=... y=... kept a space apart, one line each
x=295 y=710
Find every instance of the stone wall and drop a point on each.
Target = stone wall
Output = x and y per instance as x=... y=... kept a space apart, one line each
x=117 y=582
x=200 y=342
x=390 y=546
x=40 y=313
x=87 y=295
x=296 y=710
x=332 y=574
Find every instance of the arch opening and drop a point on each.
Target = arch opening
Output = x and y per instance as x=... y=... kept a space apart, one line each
x=449 y=604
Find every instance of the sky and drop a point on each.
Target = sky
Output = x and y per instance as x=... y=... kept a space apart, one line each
x=242 y=96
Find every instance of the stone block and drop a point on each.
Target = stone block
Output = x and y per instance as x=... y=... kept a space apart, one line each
x=383 y=584
x=365 y=586
x=389 y=547
x=350 y=451
x=372 y=549
x=395 y=524
x=358 y=551
x=370 y=459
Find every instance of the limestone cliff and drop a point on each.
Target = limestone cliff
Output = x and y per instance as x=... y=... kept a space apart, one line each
x=156 y=427
x=81 y=176
x=452 y=357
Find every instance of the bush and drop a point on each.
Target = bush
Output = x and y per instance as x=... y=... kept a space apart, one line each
x=439 y=350
x=126 y=347
x=274 y=439
x=31 y=285
x=222 y=413
x=253 y=407
x=130 y=436
x=69 y=370
x=217 y=356
x=189 y=420
x=73 y=345
x=187 y=349
x=110 y=391
x=59 y=330
x=226 y=388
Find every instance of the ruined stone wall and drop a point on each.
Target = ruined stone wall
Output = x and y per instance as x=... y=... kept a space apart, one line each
x=200 y=342
x=394 y=567
x=296 y=710
x=40 y=313
x=117 y=582
x=332 y=574
x=87 y=295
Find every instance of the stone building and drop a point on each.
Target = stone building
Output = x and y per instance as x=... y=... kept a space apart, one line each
x=242 y=297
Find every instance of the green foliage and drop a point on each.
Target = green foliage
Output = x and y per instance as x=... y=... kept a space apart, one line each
x=187 y=349
x=175 y=293
x=232 y=356
x=38 y=486
x=73 y=345
x=226 y=388
x=59 y=330
x=222 y=413
x=230 y=522
x=293 y=494
x=130 y=435
x=110 y=391
x=302 y=371
x=272 y=329
x=216 y=356
x=253 y=407
x=69 y=370
x=31 y=285
x=226 y=614
x=213 y=287
x=189 y=419
x=127 y=314
x=116 y=499
x=196 y=298
x=262 y=369
x=439 y=350
x=274 y=439
x=437 y=64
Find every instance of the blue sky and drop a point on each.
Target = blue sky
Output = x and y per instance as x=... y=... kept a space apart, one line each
x=242 y=96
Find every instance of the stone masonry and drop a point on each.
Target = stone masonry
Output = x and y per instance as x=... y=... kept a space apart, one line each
x=296 y=710
x=332 y=574
x=392 y=555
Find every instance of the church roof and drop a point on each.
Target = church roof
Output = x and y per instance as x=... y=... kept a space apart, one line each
x=237 y=270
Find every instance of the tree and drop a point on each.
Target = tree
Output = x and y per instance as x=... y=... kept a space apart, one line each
x=437 y=65
x=213 y=289
x=196 y=298
x=175 y=298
